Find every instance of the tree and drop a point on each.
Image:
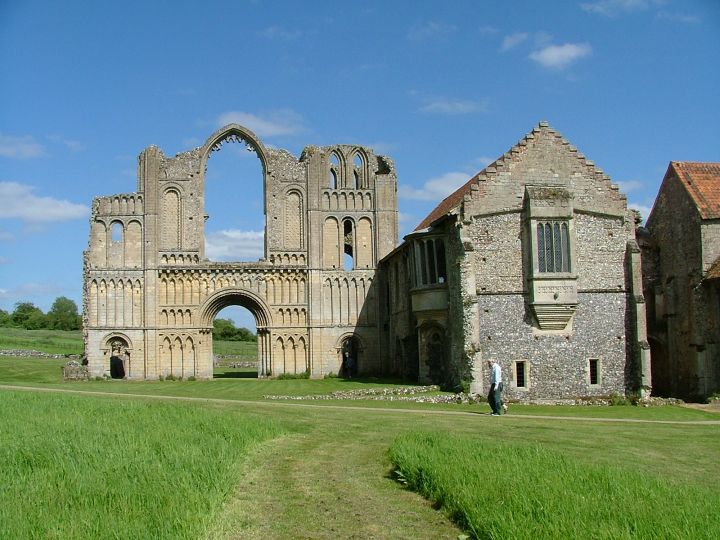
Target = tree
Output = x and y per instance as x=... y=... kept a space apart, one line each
x=4 y=318
x=224 y=329
x=27 y=315
x=63 y=315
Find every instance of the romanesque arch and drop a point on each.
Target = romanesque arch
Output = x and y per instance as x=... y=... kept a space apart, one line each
x=154 y=282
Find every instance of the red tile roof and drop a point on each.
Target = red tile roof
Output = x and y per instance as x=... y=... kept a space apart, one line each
x=702 y=182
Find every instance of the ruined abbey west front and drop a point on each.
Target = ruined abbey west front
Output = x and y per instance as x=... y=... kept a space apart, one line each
x=150 y=293
x=533 y=263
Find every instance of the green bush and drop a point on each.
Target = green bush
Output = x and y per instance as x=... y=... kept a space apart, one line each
x=286 y=376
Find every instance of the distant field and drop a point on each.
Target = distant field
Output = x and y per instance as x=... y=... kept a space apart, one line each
x=71 y=342
x=241 y=348
x=48 y=341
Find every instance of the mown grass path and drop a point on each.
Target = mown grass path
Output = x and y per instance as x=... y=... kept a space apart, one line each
x=329 y=477
x=325 y=405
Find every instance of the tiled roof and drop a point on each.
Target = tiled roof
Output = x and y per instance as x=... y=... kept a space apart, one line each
x=454 y=200
x=447 y=204
x=702 y=182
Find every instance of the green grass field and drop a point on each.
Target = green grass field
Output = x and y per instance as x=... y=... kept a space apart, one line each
x=48 y=341
x=330 y=460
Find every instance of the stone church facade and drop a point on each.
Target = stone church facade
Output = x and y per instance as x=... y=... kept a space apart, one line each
x=532 y=263
x=150 y=293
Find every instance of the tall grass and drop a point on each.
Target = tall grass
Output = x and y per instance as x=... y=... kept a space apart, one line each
x=78 y=467
x=503 y=490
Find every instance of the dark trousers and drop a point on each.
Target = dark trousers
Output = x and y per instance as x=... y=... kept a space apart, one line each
x=495 y=398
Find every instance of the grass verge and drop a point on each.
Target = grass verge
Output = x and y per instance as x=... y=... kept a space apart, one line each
x=107 y=468
x=508 y=490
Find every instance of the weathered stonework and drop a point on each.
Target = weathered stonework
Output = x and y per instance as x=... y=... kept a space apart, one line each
x=681 y=280
x=151 y=294
x=540 y=272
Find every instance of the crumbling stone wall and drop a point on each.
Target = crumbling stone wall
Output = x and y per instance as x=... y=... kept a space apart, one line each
x=150 y=291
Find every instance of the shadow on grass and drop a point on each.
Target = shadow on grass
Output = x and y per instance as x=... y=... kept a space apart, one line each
x=236 y=375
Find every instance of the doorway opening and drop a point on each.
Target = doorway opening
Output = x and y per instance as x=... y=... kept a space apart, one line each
x=235 y=346
x=349 y=350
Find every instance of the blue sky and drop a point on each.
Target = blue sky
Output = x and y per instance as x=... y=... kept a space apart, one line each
x=443 y=88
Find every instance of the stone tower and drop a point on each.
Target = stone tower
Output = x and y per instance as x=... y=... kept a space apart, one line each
x=150 y=293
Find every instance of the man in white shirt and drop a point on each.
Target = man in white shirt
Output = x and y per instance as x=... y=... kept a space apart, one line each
x=496 y=388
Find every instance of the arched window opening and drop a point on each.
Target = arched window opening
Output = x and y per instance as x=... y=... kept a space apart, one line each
x=334 y=172
x=116 y=232
x=235 y=344
x=234 y=203
x=358 y=171
x=348 y=245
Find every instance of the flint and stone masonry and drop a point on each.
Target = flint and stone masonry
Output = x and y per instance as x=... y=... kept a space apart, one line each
x=532 y=263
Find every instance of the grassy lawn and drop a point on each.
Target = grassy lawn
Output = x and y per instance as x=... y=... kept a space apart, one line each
x=49 y=341
x=248 y=350
x=330 y=460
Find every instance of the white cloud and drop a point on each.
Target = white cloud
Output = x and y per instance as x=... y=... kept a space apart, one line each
x=436 y=188
x=25 y=291
x=19 y=202
x=70 y=144
x=280 y=122
x=630 y=185
x=513 y=40
x=234 y=245
x=278 y=32
x=611 y=8
x=453 y=106
x=20 y=147
x=561 y=56
x=431 y=30
x=642 y=208
x=678 y=17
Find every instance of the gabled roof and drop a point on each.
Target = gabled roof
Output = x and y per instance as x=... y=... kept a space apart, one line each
x=454 y=200
x=702 y=182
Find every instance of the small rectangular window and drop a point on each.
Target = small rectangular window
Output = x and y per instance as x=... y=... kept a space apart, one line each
x=594 y=371
x=520 y=375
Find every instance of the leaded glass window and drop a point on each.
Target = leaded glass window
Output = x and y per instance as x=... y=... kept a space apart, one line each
x=553 y=245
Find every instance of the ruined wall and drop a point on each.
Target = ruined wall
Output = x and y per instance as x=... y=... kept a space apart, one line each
x=152 y=294
x=683 y=320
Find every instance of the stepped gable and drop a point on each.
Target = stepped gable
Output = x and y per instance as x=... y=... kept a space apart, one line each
x=702 y=182
x=473 y=188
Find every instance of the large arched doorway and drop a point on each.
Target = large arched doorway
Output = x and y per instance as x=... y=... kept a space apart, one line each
x=235 y=350
x=259 y=311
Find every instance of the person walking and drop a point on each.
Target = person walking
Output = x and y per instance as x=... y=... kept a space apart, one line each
x=496 y=388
